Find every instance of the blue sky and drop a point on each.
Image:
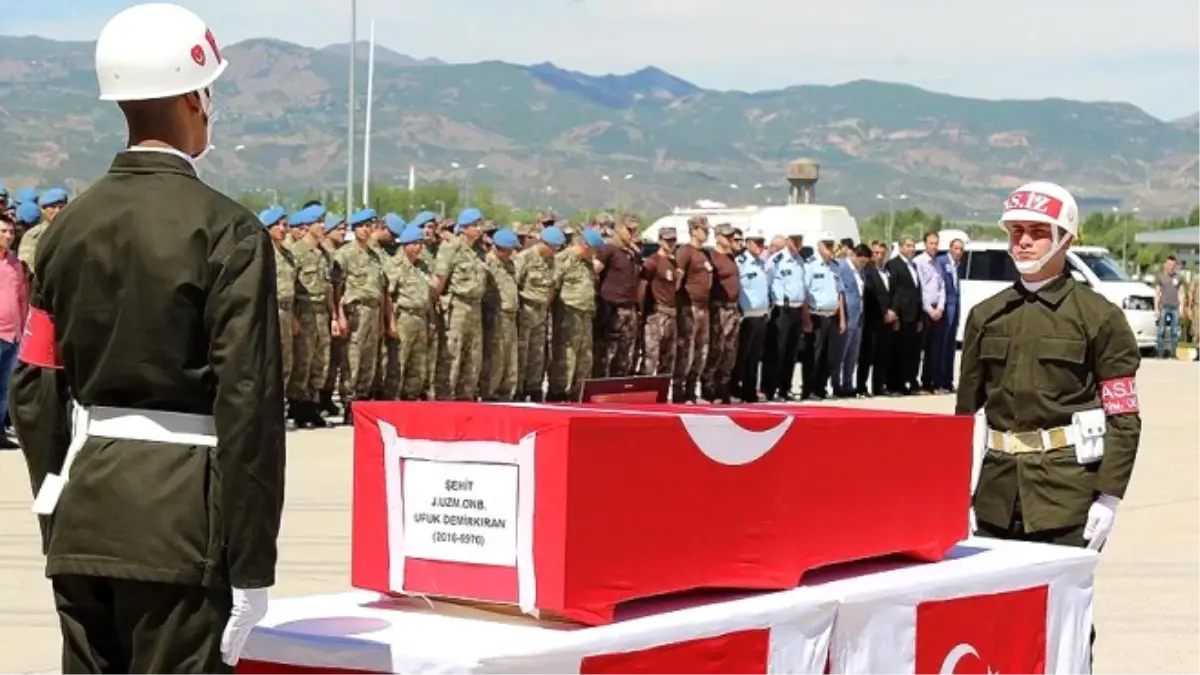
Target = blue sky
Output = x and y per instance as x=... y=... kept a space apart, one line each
x=1146 y=52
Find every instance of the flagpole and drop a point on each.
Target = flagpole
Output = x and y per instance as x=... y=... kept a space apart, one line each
x=350 y=111
x=366 y=188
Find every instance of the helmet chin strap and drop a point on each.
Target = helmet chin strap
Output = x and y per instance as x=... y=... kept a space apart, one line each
x=1028 y=267
x=210 y=116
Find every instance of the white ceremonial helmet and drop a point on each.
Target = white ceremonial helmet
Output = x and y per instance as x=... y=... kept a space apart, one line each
x=1042 y=202
x=156 y=50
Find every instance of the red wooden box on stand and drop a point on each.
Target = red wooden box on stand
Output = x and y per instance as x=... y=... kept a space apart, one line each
x=571 y=510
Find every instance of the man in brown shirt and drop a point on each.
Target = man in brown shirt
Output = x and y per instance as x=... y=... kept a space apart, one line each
x=618 y=265
x=724 y=317
x=692 y=324
x=661 y=279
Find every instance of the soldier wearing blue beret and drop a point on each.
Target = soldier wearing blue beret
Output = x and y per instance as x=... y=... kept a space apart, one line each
x=50 y=203
x=364 y=304
x=501 y=302
x=336 y=368
x=460 y=272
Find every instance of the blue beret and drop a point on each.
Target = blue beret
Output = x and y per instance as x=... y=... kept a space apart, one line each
x=332 y=221
x=27 y=194
x=318 y=212
x=469 y=216
x=552 y=236
x=28 y=213
x=505 y=238
x=361 y=217
x=271 y=215
x=411 y=235
x=53 y=196
x=395 y=224
x=592 y=238
x=299 y=218
x=421 y=218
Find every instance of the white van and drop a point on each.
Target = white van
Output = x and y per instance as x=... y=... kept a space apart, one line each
x=807 y=219
x=987 y=269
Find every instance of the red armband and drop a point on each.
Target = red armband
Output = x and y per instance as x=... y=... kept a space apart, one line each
x=38 y=346
x=1119 y=396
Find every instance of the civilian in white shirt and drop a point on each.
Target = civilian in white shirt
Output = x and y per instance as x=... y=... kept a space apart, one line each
x=933 y=307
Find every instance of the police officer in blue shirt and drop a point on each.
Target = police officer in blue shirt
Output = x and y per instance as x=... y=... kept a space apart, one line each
x=754 y=300
x=825 y=319
x=785 y=270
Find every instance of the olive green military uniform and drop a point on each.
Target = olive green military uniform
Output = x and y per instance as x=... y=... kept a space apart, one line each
x=498 y=375
x=147 y=537
x=285 y=289
x=535 y=283
x=313 y=302
x=436 y=376
x=29 y=244
x=463 y=268
x=361 y=305
x=413 y=302
x=571 y=349
x=1030 y=360
x=386 y=368
x=335 y=374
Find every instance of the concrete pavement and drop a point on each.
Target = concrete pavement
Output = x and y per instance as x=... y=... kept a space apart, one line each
x=1148 y=598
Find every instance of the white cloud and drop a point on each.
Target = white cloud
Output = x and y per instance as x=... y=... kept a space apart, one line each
x=1144 y=51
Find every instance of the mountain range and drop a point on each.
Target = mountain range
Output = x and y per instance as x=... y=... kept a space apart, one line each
x=545 y=136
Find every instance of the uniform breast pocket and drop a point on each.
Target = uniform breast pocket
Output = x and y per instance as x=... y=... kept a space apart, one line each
x=993 y=351
x=785 y=273
x=1061 y=364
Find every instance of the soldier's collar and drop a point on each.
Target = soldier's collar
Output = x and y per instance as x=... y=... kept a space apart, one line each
x=143 y=160
x=1052 y=293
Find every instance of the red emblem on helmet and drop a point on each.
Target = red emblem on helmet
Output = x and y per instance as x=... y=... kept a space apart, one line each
x=198 y=55
x=212 y=42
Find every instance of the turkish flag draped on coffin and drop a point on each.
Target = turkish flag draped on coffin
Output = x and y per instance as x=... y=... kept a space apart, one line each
x=574 y=509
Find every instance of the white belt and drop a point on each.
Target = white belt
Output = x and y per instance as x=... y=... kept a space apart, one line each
x=129 y=424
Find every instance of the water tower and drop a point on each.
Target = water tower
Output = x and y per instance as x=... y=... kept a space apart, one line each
x=802 y=177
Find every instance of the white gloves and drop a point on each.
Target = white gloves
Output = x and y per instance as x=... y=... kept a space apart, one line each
x=1100 y=519
x=249 y=607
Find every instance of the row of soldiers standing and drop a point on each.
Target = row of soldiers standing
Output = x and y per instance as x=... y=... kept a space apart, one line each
x=461 y=310
x=423 y=310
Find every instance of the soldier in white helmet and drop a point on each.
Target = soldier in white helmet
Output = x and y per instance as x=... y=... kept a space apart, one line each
x=149 y=398
x=1048 y=368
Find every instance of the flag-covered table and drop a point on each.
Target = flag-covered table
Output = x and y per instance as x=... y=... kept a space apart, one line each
x=990 y=605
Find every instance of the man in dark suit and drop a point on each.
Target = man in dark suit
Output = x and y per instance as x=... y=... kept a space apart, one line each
x=906 y=303
x=879 y=323
x=947 y=265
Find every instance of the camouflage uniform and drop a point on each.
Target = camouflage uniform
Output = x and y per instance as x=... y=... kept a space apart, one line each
x=535 y=282
x=462 y=267
x=335 y=372
x=498 y=375
x=386 y=385
x=364 y=288
x=571 y=348
x=29 y=241
x=658 y=353
x=285 y=291
x=437 y=384
x=413 y=304
x=722 y=350
x=311 y=359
